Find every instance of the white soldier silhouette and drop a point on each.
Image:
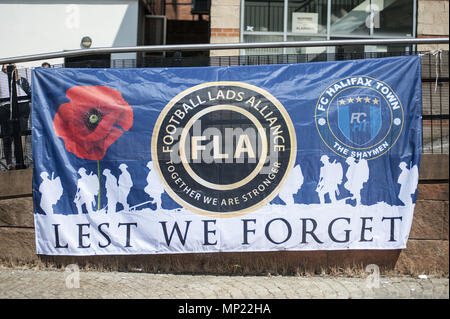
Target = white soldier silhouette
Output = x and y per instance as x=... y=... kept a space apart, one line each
x=112 y=191
x=87 y=189
x=329 y=179
x=357 y=174
x=154 y=187
x=125 y=184
x=51 y=191
x=408 y=180
x=292 y=185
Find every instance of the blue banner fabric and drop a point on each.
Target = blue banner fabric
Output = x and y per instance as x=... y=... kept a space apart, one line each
x=245 y=158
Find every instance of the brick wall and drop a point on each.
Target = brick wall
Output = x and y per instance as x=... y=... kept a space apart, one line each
x=433 y=21
x=427 y=249
x=224 y=32
x=181 y=10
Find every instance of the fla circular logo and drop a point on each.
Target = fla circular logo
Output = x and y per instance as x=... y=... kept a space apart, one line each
x=223 y=149
x=359 y=117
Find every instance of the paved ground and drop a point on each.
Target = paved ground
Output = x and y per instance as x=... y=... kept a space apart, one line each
x=63 y=284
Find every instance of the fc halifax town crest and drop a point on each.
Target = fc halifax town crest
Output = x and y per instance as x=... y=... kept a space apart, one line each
x=359 y=117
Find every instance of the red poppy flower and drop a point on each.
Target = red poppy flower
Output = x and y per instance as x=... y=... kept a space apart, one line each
x=95 y=117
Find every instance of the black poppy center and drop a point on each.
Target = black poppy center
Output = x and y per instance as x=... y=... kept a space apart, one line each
x=92 y=118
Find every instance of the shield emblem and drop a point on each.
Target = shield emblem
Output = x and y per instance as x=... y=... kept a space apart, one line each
x=359 y=119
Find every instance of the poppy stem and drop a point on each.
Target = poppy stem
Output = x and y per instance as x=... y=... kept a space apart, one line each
x=99 y=185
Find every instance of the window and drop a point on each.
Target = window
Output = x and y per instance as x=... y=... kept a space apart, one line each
x=395 y=19
x=264 y=16
x=350 y=18
x=293 y=20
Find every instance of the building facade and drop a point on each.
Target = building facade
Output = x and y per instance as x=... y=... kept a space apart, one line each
x=302 y=20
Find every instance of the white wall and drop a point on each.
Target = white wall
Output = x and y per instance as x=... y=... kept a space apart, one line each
x=40 y=26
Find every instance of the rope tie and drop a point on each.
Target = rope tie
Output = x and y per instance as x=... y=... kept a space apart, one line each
x=438 y=63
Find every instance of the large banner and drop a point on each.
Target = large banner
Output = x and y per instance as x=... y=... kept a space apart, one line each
x=248 y=158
